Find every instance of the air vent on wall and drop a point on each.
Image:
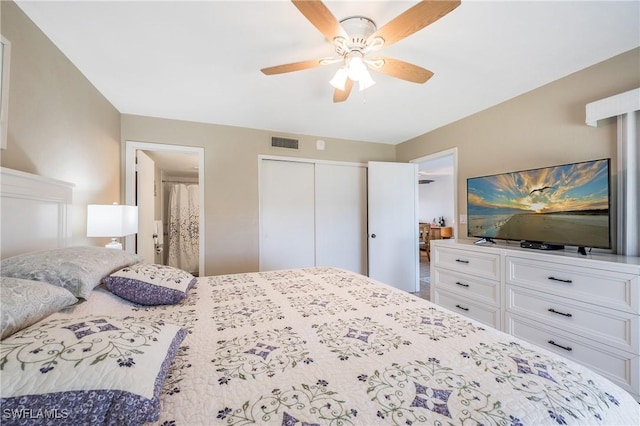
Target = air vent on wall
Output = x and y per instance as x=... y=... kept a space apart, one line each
x=423 y=181
x=284 y=143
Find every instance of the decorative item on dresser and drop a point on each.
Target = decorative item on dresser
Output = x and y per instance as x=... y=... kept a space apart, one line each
x=587 y=309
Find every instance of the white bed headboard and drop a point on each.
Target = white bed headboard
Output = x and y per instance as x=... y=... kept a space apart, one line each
x=35 y=212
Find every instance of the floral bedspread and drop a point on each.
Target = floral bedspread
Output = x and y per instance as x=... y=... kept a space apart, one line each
x=327 y=346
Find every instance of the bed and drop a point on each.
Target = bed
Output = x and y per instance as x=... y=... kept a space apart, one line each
x=302 y=346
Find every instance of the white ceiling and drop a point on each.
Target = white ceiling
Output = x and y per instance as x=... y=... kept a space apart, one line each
x=200 y=61
x=437 y=167
x=175 y=164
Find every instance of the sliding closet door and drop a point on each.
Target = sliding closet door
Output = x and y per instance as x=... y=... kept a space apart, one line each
x=341 y=217
x=286 y=215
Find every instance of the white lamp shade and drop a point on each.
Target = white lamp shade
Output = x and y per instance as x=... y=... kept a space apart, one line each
x=111 y=220
x=339 y=80
x=356 y=69
x=365 y=81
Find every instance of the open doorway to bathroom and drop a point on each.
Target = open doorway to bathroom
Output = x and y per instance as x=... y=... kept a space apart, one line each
x=176 y=210
x=437 y=194
x=166 y=182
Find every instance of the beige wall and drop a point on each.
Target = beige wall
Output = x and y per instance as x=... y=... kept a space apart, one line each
x=60 y=126
x=540 y=128
x=231 y=176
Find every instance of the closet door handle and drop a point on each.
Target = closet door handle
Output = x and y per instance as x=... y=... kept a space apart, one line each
x=566 y=348
x=559 y=313
x=373 y=235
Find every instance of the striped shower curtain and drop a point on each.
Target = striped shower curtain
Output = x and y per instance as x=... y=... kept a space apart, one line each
x=183 y=229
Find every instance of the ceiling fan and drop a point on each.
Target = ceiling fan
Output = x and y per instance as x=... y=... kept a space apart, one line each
x=356 y=38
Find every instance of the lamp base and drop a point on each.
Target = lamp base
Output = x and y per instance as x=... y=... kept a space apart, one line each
x=114 y=245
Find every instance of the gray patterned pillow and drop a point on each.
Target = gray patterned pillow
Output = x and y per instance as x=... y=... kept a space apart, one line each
x=88 y=370
x=78 y=269
x=150 y=284
x=24 y=302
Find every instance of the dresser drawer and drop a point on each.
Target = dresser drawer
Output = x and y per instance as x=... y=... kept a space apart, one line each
x=597 y=286
x=618 y=366
x=610 y=327
x=485 y=265
x=480 y=289
x=485 y=314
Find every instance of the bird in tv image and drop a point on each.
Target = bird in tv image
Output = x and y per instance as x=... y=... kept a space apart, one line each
x=565 y=205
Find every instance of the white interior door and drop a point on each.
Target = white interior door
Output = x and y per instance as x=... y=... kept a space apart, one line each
x=341 y=216
x=393 y=224
x=145 y=200
x=287 y=219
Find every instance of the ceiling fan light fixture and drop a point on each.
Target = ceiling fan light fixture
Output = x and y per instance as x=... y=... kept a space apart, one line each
x=365 y=81
x=357 y=71
x=339 y=79
x=356 y=68
x=357 y=36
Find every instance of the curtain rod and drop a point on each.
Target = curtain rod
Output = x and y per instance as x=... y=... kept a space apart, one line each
x=179 y=181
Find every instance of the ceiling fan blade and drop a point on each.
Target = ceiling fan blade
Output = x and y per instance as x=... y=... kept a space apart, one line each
x=342 y=95
x=321 y=18
x=403 y=70
x=296 y=66
x=413 y=20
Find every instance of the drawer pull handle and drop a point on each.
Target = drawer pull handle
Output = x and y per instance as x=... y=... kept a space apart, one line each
x=462 y=261
x=559 y=313
x=460 y=307
x=462 y=284
x=566 y=348
x=561 y=280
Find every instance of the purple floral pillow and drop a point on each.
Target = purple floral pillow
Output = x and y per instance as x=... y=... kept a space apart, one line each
x=150 y=284
x=88 y=370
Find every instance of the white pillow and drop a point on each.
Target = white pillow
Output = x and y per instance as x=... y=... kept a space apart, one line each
x=24 y=302
x=78 y=269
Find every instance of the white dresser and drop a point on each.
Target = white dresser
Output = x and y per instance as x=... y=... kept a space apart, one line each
x=586 y=308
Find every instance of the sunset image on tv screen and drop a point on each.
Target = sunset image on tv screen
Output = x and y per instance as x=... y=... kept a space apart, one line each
x=566 y=204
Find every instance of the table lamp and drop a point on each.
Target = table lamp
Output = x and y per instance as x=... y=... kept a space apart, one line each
x=112 y=220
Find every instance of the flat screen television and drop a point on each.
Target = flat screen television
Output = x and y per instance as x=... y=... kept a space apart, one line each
x=544 y=208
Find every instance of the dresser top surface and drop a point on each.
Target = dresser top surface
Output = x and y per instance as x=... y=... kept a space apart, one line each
x=567 y=255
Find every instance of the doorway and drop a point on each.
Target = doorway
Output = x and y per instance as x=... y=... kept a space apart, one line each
x=172 y=165
x=437 y=204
